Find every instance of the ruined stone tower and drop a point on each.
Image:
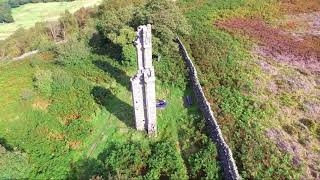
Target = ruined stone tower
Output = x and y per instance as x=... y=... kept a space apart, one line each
x=143 y=83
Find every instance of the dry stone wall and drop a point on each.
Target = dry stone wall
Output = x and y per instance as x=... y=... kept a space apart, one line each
x=229 y=167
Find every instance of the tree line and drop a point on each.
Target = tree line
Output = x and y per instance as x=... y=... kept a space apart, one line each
x=6 y=5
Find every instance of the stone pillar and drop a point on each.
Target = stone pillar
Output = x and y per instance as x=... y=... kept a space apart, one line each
x=150 y=96
x=147 y=46
x=138 y=103
x=143 y=83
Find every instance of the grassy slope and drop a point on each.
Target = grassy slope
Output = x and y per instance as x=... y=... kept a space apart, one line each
x=24 y=108
x=13 y=84
x=27 y=15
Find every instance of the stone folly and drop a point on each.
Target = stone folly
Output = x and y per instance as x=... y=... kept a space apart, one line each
x=143 y=83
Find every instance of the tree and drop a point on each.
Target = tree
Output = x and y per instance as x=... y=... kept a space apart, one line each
x=119 y=19
x=167 y=22
x=68 y=24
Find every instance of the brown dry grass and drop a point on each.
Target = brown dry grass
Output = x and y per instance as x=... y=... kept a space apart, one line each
x=56 y=136
x=41 y=104
x=74 y=145
x=300 y=6
x=69 y=118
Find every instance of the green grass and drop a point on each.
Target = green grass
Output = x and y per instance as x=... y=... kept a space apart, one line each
x=14 y=84
x=76 y=119
x=75 y=114
x=27 y=15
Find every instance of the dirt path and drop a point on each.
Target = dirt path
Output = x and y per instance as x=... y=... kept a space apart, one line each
x=27 y=54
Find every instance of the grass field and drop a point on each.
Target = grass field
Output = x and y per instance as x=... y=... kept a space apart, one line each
x=27 y=15
x=68 y=109
x=47 y=128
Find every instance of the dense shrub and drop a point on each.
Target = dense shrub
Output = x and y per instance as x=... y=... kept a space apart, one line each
x=5 y=13
x=204 y=163
x=86 y=169
x=24 y=40
x=118 y=20
x=166 y=19
x=42 y=81
x=73 y=53
x=13 y=164
x=132 y=162
x=165 y=161
x=158 y=160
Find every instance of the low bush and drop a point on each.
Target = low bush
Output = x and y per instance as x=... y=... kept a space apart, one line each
x=204 y=163
x=43 y=81
x=165 y=162
x=13 y=164
x=5 y=13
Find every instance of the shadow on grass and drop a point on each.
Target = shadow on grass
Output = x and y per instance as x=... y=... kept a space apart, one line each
x=86 y=169
x=105 y=47
x=119 y=75
x=113 y=104
x=101 y=168
x=3 y=143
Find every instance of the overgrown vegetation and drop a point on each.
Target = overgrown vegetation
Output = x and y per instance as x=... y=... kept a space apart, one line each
x=78 y=120
x=13 y=164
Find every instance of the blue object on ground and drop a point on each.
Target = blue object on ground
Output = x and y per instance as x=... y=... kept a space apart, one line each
x=161 y=104
x=188 y=101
